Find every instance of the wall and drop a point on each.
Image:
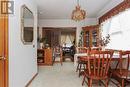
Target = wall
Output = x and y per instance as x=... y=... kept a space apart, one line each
x=67 y=23
x=22 y=58
x=109 y=6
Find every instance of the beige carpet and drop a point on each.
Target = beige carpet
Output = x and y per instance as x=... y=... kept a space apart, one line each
x=59 y=76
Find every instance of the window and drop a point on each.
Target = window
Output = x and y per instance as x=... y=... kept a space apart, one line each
x=119 y=29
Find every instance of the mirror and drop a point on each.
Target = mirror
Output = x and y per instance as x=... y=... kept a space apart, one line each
x=27 y=25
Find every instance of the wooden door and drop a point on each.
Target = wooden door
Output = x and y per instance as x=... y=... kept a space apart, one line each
x=3 y=50
x=48 y=56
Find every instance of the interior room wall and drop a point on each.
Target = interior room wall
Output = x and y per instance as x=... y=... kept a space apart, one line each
x=22 y=58
x=67 y=23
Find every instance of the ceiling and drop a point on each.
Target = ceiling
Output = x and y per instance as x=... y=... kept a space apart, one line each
x=62 y=9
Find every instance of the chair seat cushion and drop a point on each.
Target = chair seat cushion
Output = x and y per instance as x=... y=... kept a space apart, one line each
x=93 y=76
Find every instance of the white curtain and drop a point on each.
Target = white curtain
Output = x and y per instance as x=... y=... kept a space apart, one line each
x=72 y=37
x=119 y=29
x=67 y=38
x=63 y=39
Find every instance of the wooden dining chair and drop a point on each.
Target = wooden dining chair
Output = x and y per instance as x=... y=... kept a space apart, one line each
x=95 y=48
x=98 y=63
x=57 y=53
x=82 y=49
x=81 y=61
x=122 y=72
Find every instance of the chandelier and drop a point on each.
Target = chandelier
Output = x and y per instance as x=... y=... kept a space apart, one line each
x=78 y=14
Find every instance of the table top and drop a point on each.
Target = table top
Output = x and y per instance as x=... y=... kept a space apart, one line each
x=115 y=56
x=78 y=54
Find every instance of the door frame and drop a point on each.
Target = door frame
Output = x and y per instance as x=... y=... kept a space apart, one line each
x=5 y=18
x=6 y=52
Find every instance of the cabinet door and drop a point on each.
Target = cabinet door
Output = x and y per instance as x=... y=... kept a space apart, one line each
x=94 y=34
x=48 y=56
x=86 y=38
x=91 y=34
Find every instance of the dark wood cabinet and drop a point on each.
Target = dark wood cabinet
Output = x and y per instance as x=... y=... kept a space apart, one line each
x=44 y=56
x=91 y=35
x=52 y=36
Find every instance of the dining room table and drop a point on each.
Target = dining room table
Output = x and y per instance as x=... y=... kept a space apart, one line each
x=115 y=58
x=76 y=57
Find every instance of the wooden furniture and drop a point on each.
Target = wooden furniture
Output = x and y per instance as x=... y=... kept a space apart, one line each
x=81 y=65
x=91 y=35
x=76 y=57
x=52 y=36
x=4 y=45
x=98 y=64
x=44 y=56
x=57 y=50
x=82 y=49
x=81 y=62
x=122 y=72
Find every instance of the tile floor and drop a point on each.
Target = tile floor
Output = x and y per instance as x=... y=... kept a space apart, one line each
x=59 y=76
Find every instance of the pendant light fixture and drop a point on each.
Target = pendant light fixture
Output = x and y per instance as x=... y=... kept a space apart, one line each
x=78 y=14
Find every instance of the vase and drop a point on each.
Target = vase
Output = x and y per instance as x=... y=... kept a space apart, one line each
x=41 y=45
x=103 y=48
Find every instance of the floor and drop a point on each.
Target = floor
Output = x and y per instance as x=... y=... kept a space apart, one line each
x=59 y=76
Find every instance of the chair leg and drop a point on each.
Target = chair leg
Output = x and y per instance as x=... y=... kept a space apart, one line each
x=106 y=83
x=80 y=69
x=89 y=82
x=83 y=79
x=53 y=60
x=61 y=61
x=77 y=68
x=122 y=83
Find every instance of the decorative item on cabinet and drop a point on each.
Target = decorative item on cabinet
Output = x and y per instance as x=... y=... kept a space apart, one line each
x=42 y=41
x=90 y=37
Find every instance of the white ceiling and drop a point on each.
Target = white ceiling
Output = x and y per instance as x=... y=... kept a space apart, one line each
x=62 y=9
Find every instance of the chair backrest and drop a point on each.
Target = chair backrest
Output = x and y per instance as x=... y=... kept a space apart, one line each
x=82 y=50
x=57 y=50
x=124 y=65
x=99 y=63
x=95 y=48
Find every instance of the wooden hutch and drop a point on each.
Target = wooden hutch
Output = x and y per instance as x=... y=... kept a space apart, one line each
x=91 y=35
x=44 y=56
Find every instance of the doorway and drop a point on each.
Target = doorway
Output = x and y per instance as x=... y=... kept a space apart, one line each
x=3 y=50
x=63 y=36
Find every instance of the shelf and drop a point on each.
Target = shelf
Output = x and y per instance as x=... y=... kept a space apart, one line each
x=44 y=56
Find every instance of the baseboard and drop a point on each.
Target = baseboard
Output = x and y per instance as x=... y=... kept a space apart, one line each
x=31 y=80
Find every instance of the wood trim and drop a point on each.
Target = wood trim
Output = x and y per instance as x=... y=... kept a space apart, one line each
x=6 y=53
x=6 y=48
x=90 y=27
x=116 y=10
x=59 y=28
x=31 y=80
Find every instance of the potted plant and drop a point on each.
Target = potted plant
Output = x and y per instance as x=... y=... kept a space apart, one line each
x=42 y=41
x=104 y=41
x=80 y=43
